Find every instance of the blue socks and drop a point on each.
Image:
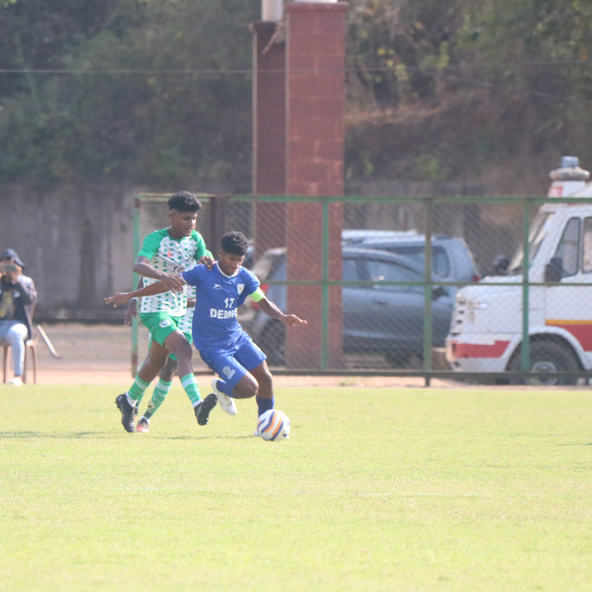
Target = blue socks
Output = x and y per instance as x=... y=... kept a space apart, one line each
x=264 y=405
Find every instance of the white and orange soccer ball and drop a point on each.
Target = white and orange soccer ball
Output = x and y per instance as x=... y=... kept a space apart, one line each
x=273 y=425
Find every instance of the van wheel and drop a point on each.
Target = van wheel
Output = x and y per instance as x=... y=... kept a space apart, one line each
x=273 y=343
x=546 y=356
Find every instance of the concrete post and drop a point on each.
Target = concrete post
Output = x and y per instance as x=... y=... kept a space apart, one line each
x=315 y=99
x=269 y=135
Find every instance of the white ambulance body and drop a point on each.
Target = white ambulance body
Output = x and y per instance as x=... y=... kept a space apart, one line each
x=486 y=327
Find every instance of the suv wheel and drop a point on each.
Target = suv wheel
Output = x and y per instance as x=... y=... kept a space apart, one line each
x=398 y=359
x=273 y=343
x=546 y=356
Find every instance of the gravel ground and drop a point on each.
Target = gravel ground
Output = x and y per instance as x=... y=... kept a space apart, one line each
x=101 y=354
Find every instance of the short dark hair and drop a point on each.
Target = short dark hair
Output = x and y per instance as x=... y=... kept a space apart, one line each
x=235 y=243
x=184 y=202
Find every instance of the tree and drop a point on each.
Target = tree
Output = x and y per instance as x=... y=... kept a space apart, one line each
x=142 y=123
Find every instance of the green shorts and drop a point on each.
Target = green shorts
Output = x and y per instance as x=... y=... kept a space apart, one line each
x=161 y=325
x=188 y=336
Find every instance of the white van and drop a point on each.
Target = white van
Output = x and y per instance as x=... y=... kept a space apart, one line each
x=486 y=327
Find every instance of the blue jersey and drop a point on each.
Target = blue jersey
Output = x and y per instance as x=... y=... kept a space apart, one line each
x=218 y=297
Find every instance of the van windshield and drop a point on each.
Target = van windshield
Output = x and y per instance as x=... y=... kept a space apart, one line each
x=538 y=231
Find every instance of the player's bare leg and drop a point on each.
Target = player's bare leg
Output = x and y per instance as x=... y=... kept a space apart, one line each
x=265 y=380
x=178 y=345
x=154 y=363
x=265 y=400
x=257 y=383
x=246 y=387
x=161 y=390
x=127 y=403
x=168 y=371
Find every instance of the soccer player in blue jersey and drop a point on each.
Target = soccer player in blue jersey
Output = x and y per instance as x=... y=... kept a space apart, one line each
x=222 y=343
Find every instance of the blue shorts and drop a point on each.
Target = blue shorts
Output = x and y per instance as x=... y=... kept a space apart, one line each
x=233 y=363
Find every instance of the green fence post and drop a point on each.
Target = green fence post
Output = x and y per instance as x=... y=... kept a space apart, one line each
x=137 y=204
x=325 y=309
x=525 y=349
x=427 y=320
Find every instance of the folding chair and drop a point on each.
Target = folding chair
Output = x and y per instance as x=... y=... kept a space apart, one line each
x=30 y=352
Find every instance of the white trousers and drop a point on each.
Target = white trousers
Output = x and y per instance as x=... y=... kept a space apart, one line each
x=15 y=334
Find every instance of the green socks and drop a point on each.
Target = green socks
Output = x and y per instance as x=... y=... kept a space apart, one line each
x=190 y=385
x=135 y=394
x=161 y=390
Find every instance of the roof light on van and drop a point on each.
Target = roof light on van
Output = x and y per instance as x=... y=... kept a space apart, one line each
x=568 y=179
x=570 y=170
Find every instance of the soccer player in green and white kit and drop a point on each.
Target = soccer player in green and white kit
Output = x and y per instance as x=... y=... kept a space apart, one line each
x=165 y=379
x=164 y=254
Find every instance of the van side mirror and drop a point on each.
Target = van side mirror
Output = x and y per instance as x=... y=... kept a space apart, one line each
x=439 y=291
x=554 y=270
x=500 y=265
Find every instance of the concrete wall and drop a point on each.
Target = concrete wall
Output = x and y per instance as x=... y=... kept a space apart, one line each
x=76 y=243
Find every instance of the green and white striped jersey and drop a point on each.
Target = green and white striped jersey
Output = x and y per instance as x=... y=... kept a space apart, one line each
x=171 y=256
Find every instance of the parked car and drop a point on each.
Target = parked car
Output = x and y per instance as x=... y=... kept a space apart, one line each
x=376 y=318
x=452 y=260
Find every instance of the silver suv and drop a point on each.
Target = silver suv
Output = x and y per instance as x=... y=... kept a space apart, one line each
x=452 y=260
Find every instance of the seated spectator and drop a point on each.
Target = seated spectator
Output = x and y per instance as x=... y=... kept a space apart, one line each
x=17 y=297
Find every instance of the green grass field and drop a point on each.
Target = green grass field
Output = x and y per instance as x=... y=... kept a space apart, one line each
x=377 y=489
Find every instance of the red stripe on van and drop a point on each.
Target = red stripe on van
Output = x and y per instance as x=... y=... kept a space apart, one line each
x=479 y=350
x=581 y=330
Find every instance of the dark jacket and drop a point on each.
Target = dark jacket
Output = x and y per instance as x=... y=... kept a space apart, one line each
x=25 y=297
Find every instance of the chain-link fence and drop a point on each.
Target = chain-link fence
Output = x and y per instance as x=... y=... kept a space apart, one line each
x=427 y=287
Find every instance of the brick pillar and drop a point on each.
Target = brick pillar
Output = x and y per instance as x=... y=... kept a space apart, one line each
x=315 y=87
x=269 y=135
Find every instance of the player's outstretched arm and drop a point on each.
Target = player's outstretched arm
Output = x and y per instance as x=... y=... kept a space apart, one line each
x=130 y=313
x=132 y=309
x=170 y=280
x=123 y=297
x=270 y=309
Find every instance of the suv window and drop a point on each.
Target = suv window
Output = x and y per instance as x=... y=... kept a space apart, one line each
x=569 y=247
x=385 y=271
x=350 y=271
x=440 y=261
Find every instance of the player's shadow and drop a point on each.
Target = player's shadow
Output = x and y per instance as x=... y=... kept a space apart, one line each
x=69 y=435
x=189 y=437
x=107 y=435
